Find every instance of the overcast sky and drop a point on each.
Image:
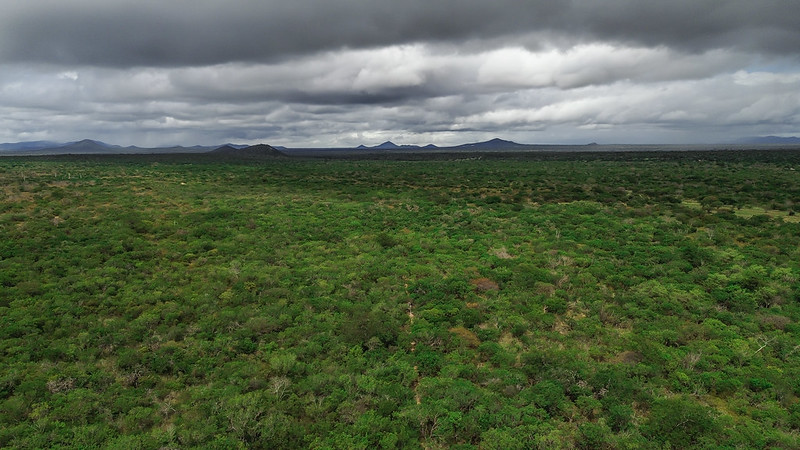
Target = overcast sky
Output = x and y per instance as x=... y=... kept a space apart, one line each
x=347 y=72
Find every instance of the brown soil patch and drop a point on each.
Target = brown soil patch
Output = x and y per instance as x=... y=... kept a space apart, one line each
x=484 y=284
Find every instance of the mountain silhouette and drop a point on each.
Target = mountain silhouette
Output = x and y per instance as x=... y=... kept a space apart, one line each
x=87 y=146
x=253 y=151
x=388 y=145
x=495 y=143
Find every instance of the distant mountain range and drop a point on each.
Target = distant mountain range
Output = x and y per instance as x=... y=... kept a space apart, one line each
x=389 y=145
x=494 y=144
x=89 y=146
x=92 y=147
x=765 y=140
x=502 y=144
x=253 y=151
x=31 y=145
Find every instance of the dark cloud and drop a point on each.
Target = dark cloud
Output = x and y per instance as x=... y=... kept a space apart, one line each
x=345 y=72
x=764 y=26
x=202 y=32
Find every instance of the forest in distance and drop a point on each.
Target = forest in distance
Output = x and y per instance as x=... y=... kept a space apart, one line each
x=611 y=300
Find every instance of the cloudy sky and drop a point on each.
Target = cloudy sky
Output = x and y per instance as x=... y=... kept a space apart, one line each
x=346 y=72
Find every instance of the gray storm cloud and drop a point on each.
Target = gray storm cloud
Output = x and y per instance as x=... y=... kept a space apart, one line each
x=344 y=72
x=202 y=32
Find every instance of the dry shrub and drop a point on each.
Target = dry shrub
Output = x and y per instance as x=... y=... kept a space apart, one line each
x=630 y=357
x=502 y=253
x=544 y=288
x=484 y=284
x=61 y=385
x=467 y=336
x=773 y=321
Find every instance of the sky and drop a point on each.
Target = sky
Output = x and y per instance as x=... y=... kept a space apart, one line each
x=338 y=73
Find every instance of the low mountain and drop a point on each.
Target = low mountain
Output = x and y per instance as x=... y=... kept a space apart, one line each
x=84 y=147
x=493 y=144
x=28 y=145
x=251 y=152
x=225 y=149
x=388 y=145
x=89 y=146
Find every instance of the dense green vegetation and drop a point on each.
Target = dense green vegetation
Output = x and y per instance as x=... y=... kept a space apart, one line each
x=606 y=301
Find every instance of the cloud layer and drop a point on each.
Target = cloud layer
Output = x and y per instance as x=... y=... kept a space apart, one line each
x=344 y=72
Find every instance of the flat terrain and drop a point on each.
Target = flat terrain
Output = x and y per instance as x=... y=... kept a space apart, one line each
x=614 y=300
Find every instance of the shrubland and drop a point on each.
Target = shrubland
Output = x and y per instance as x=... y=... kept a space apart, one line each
x=560 y=301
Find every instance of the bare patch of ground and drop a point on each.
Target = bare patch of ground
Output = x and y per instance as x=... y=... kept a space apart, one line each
x=484 y=284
